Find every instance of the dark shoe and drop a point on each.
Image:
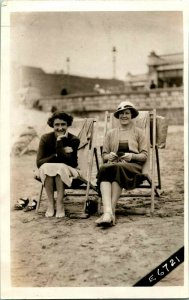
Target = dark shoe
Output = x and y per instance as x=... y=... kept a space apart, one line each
x=31 y=206
x=21 y=204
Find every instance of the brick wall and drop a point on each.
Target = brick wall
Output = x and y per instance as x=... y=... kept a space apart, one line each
x=168 y=102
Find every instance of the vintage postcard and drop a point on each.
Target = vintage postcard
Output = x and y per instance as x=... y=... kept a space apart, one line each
x=94 y=149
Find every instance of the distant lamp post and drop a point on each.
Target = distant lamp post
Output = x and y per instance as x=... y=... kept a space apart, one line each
x=114 y=52
x=68 y=72
x=68 y=65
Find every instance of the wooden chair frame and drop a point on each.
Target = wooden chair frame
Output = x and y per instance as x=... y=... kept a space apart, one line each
x=155 y=158
x=86 y=185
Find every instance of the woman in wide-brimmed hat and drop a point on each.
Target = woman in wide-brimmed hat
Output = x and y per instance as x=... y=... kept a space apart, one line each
x=124 y=153
x=57 y=160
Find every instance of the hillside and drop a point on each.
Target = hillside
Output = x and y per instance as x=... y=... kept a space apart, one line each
x=78 y=84
x=50 y=84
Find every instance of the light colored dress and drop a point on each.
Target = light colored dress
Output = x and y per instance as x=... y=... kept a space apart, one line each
x=52 y=160
x=67 y=173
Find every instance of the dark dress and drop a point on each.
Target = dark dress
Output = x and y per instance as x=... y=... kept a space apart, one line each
x=127 y=174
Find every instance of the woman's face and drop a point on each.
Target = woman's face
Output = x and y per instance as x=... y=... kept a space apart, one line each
x=125 y=116
x=60 y=126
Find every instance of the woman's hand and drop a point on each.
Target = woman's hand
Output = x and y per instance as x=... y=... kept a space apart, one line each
x=111 y=156
x=68 y=149
x=126 y=157
x=60 y=136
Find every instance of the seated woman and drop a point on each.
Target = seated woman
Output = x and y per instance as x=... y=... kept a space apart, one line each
x=57 y=161
x=124 y=153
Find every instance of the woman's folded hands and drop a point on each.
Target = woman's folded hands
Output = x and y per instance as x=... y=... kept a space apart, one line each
x=126 y=157
x=113 y=157
x=110 y=157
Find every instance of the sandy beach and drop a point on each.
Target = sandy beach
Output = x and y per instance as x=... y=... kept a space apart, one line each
x=75 y=253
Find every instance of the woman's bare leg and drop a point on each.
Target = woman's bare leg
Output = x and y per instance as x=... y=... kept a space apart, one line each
x=107 y=217
x=106 y=192
x=116 y=192
x=50 y=195
x=60 y=212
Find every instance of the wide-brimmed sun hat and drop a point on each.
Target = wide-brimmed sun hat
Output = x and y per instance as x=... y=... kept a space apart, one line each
x=124 y=105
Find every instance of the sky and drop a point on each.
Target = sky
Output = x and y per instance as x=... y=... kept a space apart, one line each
x=47 y=39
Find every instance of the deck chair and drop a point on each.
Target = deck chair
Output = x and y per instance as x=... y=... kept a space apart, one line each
x=86 y=130
x=147 y=121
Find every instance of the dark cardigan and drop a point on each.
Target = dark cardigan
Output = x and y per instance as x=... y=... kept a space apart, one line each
x=52 y=151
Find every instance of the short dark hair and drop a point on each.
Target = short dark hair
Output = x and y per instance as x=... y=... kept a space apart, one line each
x=62 y=116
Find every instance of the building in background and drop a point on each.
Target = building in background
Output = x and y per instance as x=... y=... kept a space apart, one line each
x=163 y=71
x=136 y=82
x=29 y=83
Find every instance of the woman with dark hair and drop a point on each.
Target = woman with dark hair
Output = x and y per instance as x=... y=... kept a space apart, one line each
x=124 y=153
x=57 y=161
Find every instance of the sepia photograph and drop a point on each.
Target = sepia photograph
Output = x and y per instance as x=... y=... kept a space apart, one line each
x=97 y=150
